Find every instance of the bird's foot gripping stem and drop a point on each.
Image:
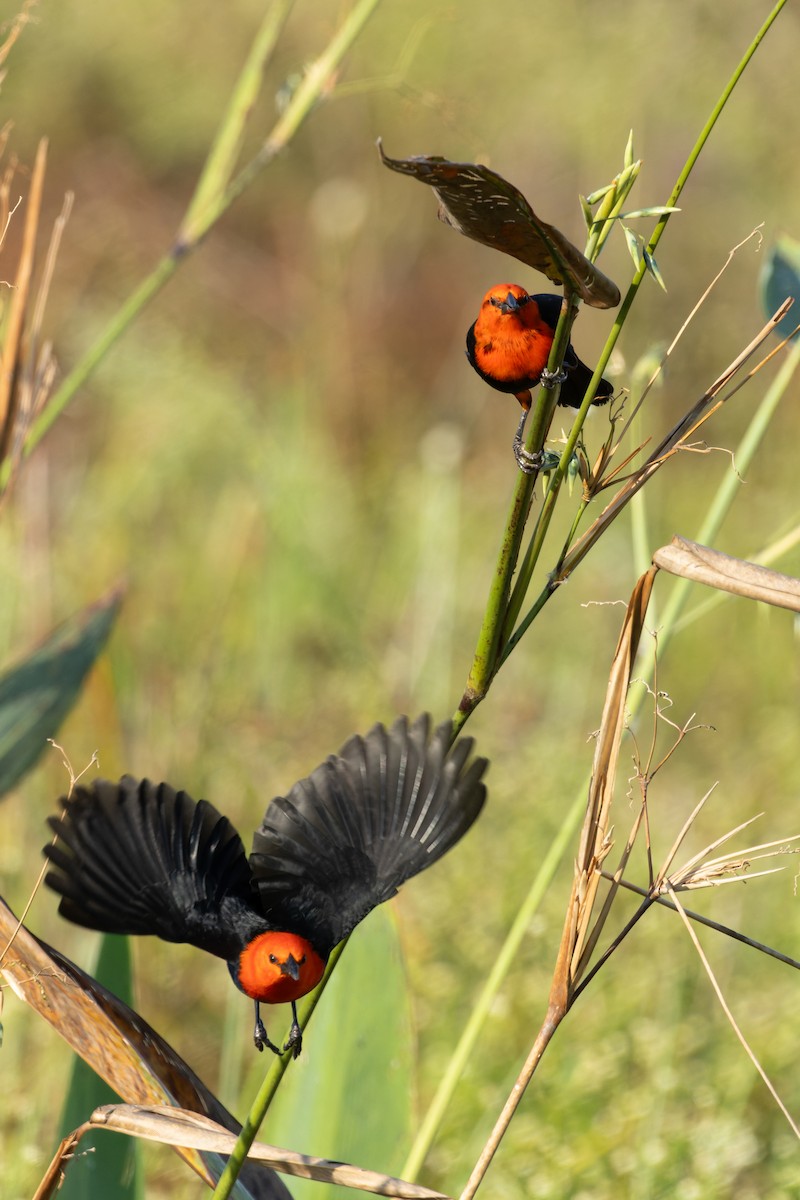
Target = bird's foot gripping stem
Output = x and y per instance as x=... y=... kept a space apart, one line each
x=528 y=463
x=260 y=1039
x=549 y=379
x=295 y=1042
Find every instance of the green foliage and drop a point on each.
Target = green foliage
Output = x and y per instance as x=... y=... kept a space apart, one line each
x=780 y=280
x=351 y=1095
x=253 y=457
x=36 y=695
x=106 y=1164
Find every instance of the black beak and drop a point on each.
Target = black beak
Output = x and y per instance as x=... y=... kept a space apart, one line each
x=510 y=304
x=291 y=967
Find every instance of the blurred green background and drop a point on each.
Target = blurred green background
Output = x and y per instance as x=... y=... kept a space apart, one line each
x=304 y=484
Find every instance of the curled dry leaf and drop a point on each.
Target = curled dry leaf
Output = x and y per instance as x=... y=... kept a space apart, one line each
x=717 y=570
x=479 y=203
x=117 y=1043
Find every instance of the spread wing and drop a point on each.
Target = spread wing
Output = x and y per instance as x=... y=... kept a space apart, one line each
x=344 y=839
x=141 y=858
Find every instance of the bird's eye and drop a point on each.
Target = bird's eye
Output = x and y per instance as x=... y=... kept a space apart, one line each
x=302 y=960
x=497 y=303
x=273 y=958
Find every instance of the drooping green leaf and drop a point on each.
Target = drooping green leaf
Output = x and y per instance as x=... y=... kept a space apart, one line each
x=350 y=1095
x=480 y=204
x=653 y=268
x=634 y=244
x=37 y=694
x=112 y=1167
x=780 y=278
x=655 y=210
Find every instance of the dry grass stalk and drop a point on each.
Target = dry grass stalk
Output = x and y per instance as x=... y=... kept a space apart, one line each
x=178 y=1127
x=678 y=439
x=28 y=364
x=582 y=928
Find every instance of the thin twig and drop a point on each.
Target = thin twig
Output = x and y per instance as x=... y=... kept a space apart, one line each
x=730 y=1016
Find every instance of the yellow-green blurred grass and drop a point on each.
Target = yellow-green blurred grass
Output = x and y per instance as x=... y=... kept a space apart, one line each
x=254 y=460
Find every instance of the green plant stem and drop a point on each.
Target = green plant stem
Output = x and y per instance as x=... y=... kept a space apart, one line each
x=209 y=203
x=730 y=484
x=500 y=968
x=227 y=144
x=505 y=957
x=534 y=550
x=269 y=1087
x=490 y=637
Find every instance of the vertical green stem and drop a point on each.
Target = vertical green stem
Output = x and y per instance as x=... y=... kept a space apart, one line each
x=490 y=637
x=540 y=533
x=266 y=1093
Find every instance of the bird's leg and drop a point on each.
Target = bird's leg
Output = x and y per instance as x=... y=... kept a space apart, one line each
x=260 y=1035
x=528 y=463
x=295 y=1042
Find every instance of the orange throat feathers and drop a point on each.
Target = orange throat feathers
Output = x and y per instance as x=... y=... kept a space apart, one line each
x=278 y=967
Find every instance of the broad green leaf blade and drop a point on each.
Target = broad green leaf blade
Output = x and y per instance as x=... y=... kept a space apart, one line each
x=479 y=203
x=36 y=695
x=780 y=278
x=113 y=1168
x=350 y=1094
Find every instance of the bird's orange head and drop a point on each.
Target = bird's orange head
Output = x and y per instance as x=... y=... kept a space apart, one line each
x=506 y=299
x=277 y=967
x=509 y=344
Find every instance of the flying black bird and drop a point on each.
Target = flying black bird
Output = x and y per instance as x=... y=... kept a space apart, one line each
x=140 y=858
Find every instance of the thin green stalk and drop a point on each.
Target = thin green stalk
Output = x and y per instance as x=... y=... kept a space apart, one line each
x=548 y=507
x=199 y=220
x=266 y=1093
x=227 y=144
x=731 y=482
x=316 y=81
x=490 y=636
x=502 y=963
x=471 y=1033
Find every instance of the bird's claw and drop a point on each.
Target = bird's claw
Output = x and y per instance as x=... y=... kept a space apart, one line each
x=549 y=379
x=295 y=1040
x=527 y=462
x=260 y=1039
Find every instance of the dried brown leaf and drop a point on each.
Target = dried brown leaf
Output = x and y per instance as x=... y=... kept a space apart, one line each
x=115 y=1041
x=702 y=565
x=476 y=201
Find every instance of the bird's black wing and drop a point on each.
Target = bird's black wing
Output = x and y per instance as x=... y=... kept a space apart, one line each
x=345 y=838
x=141 y=858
